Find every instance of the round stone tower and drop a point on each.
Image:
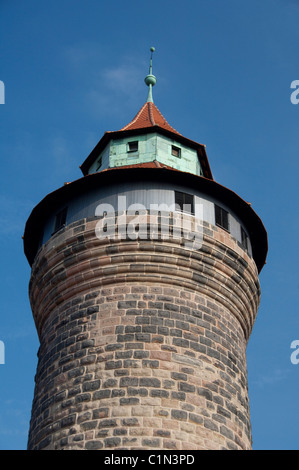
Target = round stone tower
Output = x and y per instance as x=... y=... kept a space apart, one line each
x=144 y=292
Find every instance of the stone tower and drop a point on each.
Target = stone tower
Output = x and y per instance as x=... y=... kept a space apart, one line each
x=144 y=291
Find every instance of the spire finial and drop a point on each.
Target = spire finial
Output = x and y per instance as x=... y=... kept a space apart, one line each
x=150 y=79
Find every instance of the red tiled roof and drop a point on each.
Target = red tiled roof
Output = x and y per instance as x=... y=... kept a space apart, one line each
x=149 y=116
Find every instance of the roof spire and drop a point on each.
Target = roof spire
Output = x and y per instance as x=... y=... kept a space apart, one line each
x=150 y=79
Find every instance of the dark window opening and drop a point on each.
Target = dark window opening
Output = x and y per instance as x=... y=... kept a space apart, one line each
x=99 y=164
x=133 y=146
x=185 y=202
x=175 y=151
x=60 y=219
x=244 y=239
x=221 y=217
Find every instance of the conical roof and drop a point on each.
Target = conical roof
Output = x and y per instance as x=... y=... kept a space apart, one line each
x=149 y=116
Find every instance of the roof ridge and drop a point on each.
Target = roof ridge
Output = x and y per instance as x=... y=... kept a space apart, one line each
x=150 y=112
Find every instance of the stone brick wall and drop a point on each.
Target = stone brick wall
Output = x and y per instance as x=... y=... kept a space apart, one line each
x=142 y=343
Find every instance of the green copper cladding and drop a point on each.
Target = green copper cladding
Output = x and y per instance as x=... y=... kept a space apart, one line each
x=150 y=147
x=150 y=79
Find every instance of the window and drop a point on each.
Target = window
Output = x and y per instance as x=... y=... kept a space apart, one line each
x=185 y=202
x=60 y=219
x=175 y=151
x=244 y=239
x=99 y=164
x=221 y=217
x=133 y=146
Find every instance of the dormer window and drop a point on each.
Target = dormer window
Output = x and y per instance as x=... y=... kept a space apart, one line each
x=221 y=217
x=133 y=146
x=175 y=151
x=184 y=202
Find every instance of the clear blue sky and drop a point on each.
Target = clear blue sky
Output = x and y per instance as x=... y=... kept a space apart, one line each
x=74 y=69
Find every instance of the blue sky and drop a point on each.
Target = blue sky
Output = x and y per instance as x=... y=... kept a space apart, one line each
x=74 y=69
